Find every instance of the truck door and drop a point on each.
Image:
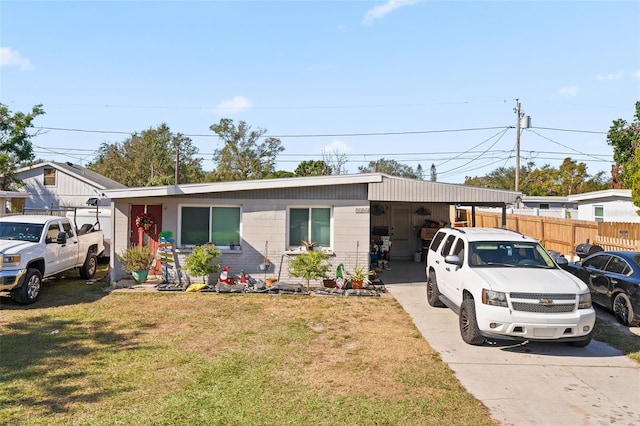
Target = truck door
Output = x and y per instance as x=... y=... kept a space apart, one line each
x=56 y=255
x=70 y=250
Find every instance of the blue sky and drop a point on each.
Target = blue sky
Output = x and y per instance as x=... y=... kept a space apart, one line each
x=420 y=82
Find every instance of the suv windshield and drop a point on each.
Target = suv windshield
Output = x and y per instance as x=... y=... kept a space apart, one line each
x=509 y=253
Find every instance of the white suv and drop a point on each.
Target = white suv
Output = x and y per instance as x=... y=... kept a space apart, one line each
x=504 y=285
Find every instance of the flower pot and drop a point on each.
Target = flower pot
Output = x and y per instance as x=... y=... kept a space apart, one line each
x=356 y=284
x=264 y=267
x=329 y=283
x=269 y=281
x=140 y=276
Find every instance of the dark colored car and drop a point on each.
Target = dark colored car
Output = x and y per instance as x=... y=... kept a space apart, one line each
x=613 y=277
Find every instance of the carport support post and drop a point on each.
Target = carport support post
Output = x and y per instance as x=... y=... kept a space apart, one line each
x=473 y=215
x=504 y=217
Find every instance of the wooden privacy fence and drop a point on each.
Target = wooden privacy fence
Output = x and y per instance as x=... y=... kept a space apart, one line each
x=563 y=235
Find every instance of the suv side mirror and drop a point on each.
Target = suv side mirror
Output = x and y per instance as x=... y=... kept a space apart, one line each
x=453 y=259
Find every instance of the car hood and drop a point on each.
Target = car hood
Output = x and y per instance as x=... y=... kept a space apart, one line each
x=14 y=246
x=534 y=280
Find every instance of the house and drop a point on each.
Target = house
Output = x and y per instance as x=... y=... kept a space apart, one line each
x=344 y=215
x=11 y=200
x=609 y=205
x=53 y=184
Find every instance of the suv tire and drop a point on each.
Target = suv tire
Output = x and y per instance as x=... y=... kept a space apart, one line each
x=433 y=293
x=469 y=324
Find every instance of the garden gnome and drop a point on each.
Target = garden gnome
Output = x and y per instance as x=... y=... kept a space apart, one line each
x=224 y=276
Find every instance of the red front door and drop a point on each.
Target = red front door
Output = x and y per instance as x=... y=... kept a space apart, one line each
x=149 y=238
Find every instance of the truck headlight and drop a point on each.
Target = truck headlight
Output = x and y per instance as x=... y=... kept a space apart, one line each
x=10 y=260
x=584 y=301
x=494 y=298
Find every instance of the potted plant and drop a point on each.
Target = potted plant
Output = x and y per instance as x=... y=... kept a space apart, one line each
x=310 y=265
x=137 y=260
x=200 y=263
x=265 y=265
x=360 y=276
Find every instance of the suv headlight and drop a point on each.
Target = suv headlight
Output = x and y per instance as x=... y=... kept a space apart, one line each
x=494 y=298
x=584 y=301
x=10 y=260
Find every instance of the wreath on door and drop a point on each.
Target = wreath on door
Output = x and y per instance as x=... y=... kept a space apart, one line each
x=145 y=221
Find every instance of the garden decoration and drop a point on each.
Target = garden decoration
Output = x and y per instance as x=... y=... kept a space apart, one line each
x=145 y=221
x=137 y=260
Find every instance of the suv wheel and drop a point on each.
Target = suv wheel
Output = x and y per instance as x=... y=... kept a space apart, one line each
x=433 y=293
x=469 y=324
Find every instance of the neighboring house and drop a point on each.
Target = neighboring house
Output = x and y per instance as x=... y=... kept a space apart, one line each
x=552 y=206
x=11 y=200
x=609 y=205
x=345 y=215
x=52 y=184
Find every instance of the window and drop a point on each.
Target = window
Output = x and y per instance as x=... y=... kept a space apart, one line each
x=67 y=229
x=597 y=261
x=217 y=225
x=310 y=224
x=52 y=233
x=49 y=176
x=618 y=266
x=544 y=206
x=446 y=248
x=598 y=213
x=436 y=241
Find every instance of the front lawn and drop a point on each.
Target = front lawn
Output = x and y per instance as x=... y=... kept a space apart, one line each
x=85 y=356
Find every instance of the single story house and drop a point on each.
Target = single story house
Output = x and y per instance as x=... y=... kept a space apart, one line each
x=344 y=215
x=609 y=205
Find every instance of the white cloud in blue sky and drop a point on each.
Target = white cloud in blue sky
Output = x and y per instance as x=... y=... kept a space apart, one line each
x=568 y=91
x=336 y=145
x=381 y=10
x=10 y=57
x=636 y=74
x=233 y=105
x=611 y=76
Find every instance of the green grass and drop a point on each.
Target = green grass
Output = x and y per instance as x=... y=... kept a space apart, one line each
x=85 y=356
x=619 y=337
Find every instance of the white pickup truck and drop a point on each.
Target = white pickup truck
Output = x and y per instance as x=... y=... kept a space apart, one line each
x=33 y=247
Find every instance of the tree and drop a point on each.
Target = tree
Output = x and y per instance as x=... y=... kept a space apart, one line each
x=625 y=139
x=243 y=157
x=336 y=161
x=419 y=172
x=149 y=159
x=390 y=167
x=434 y=173
x=15 y=142
x=313 y=168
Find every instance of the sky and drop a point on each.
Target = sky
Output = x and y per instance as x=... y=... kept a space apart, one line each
x=419 y=82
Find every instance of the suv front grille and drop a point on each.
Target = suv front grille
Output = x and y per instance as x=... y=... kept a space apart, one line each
x=543 y=302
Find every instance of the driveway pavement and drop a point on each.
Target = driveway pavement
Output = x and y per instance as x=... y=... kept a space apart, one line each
x=525 y=384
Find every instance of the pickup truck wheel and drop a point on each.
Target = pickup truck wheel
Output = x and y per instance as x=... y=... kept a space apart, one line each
x=469 y=324
x=433 y=293
x=29 y=292
x=623 y=310
x=88 y=270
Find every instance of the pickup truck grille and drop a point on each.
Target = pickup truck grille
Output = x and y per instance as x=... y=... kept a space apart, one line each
x=543 y=302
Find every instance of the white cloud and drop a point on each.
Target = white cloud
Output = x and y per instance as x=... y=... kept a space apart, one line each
x=612 y=76
x=636 y=74
x=10 y=57
x=568 y=91
x=382 y=10
x=336 y=146
x=233 y=105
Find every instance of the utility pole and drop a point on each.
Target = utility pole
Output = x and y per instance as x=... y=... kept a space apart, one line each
x=518 y=116
x=177 y=145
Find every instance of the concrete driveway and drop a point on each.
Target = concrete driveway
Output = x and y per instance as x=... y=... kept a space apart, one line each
x=531 y=383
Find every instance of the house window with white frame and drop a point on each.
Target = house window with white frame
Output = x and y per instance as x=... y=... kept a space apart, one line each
x=210 y=224
x=49 y=176
x=598 y=213
x=311 y=224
